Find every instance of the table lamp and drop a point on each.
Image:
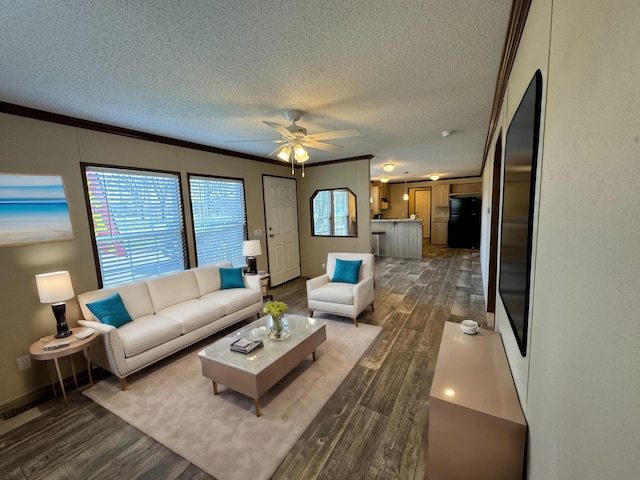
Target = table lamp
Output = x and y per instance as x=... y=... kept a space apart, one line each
x=250 y=249
x=55 y=288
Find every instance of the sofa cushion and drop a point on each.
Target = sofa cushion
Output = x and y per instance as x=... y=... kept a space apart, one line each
x=208 y=277
x=110 y=310
x=347 y=271
x=333 y=292
x=231 y=278
x=194 y=314
x=135 y=297
x=172 y=289
x=147 y=332
x=234 y=299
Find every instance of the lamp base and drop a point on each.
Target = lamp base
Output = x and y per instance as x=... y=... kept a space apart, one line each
x=252 y=263
x=60 y=312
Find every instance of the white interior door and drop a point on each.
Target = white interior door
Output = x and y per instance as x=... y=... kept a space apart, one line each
x=281 y=216
x=423 y=210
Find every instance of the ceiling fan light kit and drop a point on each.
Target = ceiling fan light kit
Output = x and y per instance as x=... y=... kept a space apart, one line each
x=295 y=140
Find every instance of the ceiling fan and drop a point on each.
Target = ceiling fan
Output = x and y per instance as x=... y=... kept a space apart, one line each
x=295 y=138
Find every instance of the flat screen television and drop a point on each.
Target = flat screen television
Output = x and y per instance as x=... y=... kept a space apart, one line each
x=516 y=229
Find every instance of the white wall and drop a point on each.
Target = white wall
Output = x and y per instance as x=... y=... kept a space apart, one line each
x=580 y=383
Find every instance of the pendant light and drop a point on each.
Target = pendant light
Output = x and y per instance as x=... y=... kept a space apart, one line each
x=405 y=197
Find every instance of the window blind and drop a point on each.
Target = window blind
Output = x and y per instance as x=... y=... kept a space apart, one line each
x=219 y=219
x=322 y=213
x=137 y=223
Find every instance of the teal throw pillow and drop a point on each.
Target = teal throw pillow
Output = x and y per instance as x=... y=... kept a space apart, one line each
x=346 y=271
x=110 y=310
x=231 y=278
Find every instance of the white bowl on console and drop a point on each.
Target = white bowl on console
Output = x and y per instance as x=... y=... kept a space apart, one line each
x=469 y=327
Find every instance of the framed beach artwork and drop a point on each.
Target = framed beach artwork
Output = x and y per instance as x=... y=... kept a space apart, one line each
x=33 y=209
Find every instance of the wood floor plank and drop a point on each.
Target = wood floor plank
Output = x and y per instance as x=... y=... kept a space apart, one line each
x=354 y=452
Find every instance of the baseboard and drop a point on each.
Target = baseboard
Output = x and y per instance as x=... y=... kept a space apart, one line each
x=45 y=393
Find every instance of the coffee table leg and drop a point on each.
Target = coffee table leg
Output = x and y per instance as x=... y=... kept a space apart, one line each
x=313 y=354
x=256 y=403
x=215 y=387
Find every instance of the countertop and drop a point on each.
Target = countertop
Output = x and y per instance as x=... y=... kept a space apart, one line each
x=396 y=220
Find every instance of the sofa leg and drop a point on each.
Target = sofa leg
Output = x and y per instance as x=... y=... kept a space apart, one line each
x=355 y=320
x=372 y=307
x=311 y=313
x=123 y=383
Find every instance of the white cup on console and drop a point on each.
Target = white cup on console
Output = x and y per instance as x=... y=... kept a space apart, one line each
x=469 y=327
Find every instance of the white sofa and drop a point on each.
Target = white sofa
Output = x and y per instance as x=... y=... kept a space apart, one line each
x=338 y=298
x=169 y=313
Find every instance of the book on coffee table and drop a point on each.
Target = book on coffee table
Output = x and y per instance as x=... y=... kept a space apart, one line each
x=246 y=345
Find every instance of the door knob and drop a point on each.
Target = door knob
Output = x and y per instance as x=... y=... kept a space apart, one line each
x=271 y=235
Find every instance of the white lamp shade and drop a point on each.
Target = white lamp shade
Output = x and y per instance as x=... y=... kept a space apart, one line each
x=284 y=153
x=251 y=248
x=54 y=287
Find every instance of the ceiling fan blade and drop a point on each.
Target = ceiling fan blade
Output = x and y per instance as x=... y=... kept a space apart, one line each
x=353 y=132
x=278 y=128
x=322 y=146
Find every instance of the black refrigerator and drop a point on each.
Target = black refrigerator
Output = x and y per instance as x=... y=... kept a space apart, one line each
x=464 y=222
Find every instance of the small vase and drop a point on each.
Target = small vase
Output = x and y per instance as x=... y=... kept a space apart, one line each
x=277 y=333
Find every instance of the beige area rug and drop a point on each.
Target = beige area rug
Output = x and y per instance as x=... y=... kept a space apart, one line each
x=174 y=404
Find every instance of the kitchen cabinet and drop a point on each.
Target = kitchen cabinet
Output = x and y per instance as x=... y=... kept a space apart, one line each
x=439 y=233
x=466 y=188
x=375 y=200
x=441 y=193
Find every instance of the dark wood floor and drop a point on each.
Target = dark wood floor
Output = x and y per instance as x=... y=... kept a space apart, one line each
x=373 y=427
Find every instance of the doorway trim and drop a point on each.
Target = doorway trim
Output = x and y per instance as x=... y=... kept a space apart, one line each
x=495 y=224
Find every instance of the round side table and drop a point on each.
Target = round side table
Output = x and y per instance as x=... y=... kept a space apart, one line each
x=75 y=345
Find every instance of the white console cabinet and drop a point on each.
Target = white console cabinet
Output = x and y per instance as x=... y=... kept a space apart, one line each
x=476 y=426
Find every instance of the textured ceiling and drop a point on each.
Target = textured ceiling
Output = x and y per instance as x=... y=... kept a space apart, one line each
x=400 y=71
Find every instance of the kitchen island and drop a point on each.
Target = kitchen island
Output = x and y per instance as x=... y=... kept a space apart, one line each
x=398 y=237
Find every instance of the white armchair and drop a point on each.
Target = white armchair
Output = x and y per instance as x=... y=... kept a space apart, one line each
x=340 y=298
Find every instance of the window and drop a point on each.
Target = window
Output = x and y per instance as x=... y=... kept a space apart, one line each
x=219 y=219
x=137 y=223
x=334 y=213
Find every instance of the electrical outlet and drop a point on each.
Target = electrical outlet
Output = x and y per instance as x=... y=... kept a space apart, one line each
x=324 y=265
x=24 y=363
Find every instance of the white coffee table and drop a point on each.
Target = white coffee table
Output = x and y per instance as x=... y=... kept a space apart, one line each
x=255 y=373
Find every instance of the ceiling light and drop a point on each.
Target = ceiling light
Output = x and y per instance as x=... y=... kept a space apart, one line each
x=447 y=133
x=384 y=179
x=388 y=167
x=405 y=197
x=434 y=177
x=284 y=153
